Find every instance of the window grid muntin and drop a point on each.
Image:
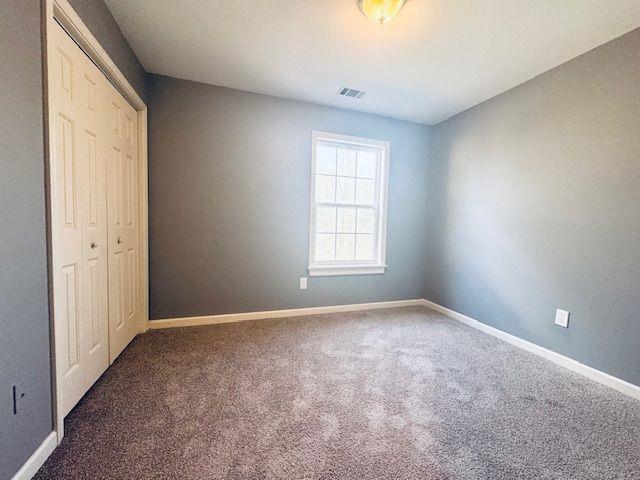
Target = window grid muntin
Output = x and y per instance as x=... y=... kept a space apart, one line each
x=374 y=206
x=356 y=207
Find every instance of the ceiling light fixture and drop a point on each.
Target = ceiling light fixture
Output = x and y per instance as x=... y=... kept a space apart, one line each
x=380 y=11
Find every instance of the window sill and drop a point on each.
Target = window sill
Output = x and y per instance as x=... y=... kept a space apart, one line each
x=335 y=270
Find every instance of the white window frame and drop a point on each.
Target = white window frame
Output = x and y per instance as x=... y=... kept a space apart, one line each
x=352 y=267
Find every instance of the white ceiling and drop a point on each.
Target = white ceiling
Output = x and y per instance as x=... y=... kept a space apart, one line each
x=435 y=59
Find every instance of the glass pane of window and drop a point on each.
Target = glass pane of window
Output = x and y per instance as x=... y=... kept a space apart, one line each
x=347 y=162
x=346 y=224
x=346 y=191
x=325 y=188
x=346 y=220
x=326 y=160
x=366 y=220
x=326 y=219
x=364 y=247
x=325 y=246
x=345 y=246
x=367 y=162
x=364 y=192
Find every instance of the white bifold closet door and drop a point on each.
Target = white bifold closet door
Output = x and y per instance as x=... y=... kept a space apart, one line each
x=122 y=201
x=93 y=184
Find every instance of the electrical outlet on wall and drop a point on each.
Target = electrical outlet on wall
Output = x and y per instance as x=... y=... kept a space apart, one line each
x=562 y=318
x=303 y=283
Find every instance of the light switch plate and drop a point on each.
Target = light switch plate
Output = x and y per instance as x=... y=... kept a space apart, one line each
x=303 y=283
x=562 y=318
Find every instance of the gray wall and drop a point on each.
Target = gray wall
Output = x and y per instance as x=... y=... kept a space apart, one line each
x=24 y=322
x=229 y=202
x=538 y=195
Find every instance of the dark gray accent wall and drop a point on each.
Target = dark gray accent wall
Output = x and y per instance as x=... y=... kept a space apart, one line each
x=538 y=195
x=24 y=321
x=24 y=318
x=229 y=202
x=98 y=19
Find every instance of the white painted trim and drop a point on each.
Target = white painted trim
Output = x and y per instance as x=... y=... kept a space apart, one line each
x=589 y=372
x=334 y=270
x=62 y=12
x=293 y=312
x=31 y=466
x=143 y=220
x=557 y=358
x=378 y=264
x=562 y=360
x=58 y=413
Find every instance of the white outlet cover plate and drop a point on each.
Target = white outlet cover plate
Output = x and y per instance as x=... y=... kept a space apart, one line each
x=303 y=283
x=562 y=318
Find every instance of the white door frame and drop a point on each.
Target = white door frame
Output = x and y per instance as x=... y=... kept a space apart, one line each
x=65 y=15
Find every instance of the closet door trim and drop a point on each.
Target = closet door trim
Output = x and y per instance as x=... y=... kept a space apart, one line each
x=60 y=11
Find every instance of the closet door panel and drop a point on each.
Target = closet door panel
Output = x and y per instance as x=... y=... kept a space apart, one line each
x=122 y=181
x=78 y=218
x=94 y=224
x=66 y=219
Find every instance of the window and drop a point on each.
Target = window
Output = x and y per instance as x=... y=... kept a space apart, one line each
x=348 y=205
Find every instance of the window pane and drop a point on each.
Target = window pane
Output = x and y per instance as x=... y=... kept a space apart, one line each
x=326 y=160
x=325 y=246
x=346 y=192
x=325 y=188
x=364 y=247
x=345 y=246
x=365 y=192
x=326 y=219
x=346 y=220
x=366 y=220
x=347 y=181
x=367 y=162
x=347 y=162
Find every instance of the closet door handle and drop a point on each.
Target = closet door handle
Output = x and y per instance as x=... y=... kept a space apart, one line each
x=93 y=245
x=119 y=240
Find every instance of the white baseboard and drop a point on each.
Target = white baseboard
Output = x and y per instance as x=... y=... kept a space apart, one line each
x=31 y=466
x=596 y=375
x=292 y=312
x=589 y=372
x=38 y=458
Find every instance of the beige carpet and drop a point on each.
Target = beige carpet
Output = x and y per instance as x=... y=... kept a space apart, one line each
x=388 y=394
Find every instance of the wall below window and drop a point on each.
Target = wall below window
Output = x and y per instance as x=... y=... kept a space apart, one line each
x=229 y=202
x=538 y=195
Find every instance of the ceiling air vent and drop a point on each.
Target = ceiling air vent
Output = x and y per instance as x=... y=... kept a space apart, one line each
x=350 y=92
